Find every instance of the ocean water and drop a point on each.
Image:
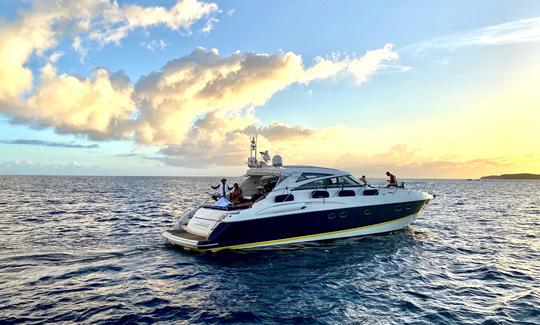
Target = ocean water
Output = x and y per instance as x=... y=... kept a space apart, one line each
x=89 y=250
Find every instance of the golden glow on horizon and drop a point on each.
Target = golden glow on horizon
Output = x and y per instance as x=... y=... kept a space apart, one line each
x=493 y=133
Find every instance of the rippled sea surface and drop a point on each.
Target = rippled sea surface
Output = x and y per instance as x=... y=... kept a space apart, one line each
x=89 y=249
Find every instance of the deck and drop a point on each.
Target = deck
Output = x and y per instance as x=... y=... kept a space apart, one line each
x=186 y=235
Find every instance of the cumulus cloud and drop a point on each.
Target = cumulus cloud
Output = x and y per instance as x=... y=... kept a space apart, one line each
x=99 y=106
x=204 y=81
x=222 y=88
x=20 y=39
x=192 y=106
x=221 y=139
x=280 y=131
x=216 y=138
x=39 y=28
x=194 y=98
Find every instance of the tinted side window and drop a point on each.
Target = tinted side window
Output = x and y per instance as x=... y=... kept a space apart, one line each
x=306 y=176
x=331 y=182
x=346 y=181
x=315 y=184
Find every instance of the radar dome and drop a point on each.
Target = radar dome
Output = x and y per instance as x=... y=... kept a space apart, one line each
x=277 y=161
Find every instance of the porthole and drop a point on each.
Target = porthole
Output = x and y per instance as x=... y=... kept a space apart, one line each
x=408 y=206
x=398 y=208
x=331 y=216
x=343 y=215
x=367 y=212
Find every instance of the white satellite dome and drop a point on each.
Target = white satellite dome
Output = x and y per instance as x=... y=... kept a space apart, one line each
x=277 y=161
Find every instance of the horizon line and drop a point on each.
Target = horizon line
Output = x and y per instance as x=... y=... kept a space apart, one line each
x=217 y=176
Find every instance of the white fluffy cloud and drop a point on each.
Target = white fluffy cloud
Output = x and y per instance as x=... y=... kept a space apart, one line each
x=182 y=15
x=217 y=138
x=204 y=81
x=361 y=68
x=117 y=21
x=39 y=28
x=221 y=138
x=32 y=33
x=193 y=99
x=99 y=106
x=192 y=106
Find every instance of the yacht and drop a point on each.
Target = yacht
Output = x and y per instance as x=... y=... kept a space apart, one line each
x=293 y=204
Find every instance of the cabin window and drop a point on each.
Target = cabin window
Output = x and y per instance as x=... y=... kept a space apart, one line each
x=347 y=181
x=306 y=176
x=315 y=184
x=341 y=181
x=331 y=182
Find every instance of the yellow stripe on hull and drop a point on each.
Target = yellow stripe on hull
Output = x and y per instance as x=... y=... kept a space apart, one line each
x=277 y=241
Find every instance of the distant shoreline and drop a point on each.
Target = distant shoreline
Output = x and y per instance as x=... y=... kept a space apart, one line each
x=524 y=176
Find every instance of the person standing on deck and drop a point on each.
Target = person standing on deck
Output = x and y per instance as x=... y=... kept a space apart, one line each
x=222 y=189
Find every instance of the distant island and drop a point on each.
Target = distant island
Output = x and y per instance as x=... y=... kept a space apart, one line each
x=513 y=176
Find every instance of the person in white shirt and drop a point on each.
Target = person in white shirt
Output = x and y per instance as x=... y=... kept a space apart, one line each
x=222 y=189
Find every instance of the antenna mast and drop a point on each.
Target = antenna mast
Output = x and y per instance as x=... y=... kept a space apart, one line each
x=253 y=148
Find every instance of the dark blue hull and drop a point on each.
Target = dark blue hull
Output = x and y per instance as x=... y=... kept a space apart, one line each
x=281 y=228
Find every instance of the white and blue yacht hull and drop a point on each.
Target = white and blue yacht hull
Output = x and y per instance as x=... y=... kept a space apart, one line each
x=215 y=229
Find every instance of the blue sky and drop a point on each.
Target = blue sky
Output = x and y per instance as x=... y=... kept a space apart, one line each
x=436 y=78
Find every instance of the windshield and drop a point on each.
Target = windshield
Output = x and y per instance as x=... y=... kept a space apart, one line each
x=338 y=181
x=286 y=180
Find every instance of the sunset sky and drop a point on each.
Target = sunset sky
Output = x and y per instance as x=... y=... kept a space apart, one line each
x=422 y=88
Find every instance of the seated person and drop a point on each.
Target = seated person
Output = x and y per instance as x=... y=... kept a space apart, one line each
x=392 y=182
x=364 y=181
x=236 y=195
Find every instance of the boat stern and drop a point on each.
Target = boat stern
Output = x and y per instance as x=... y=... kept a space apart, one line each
x=188 y=240
x=195 y=232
